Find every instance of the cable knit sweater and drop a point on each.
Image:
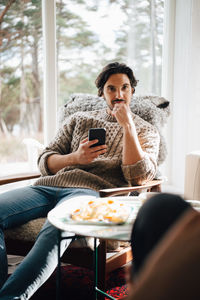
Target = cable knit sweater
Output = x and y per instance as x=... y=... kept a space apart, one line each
x=107 y=170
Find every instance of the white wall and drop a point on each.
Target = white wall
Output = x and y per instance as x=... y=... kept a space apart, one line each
x=183 y=132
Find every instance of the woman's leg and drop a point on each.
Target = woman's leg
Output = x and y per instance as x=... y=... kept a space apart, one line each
x=154 y=218
x=41 y=261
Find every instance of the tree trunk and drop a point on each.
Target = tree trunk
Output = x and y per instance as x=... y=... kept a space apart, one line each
x=35 y=106
x=24 y=124
x=6 y=9
x=4 y=128
x=35 y=69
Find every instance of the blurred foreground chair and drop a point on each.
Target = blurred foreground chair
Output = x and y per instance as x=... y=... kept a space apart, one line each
x=19 y=240
x=172 y=270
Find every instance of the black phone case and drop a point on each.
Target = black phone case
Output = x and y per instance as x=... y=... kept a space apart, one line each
x=97 y=133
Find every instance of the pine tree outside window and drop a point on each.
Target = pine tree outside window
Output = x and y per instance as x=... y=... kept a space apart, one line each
x=21 y=107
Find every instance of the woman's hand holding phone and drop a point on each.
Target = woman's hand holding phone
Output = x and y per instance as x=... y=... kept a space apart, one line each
x=86 y=153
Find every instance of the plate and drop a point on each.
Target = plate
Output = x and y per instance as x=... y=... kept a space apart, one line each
x=63 y=212
x=99 y=212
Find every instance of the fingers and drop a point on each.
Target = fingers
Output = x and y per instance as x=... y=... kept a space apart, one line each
x=87 y=146
x=97 y=153
x=86 y=143
x=89 y=153
x=94 y=152
x=121 y=107
x=117 y=105
x=118 y=108
x=98 y=148
x=90 y=143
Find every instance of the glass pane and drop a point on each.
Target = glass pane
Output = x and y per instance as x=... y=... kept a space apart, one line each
x=20 y=85
x=92 y=33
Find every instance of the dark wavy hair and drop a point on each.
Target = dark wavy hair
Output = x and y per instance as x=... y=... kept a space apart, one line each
x=114 y=68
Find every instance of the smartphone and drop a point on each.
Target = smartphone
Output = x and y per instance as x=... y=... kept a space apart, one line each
x=99 y=134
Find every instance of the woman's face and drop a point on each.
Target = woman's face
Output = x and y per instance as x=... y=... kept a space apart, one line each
x=117 y=89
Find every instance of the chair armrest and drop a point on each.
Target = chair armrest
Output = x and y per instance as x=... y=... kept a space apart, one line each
x=124 y=190
x=18 y=177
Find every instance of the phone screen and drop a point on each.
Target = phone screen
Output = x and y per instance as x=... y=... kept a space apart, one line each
x=99 y=134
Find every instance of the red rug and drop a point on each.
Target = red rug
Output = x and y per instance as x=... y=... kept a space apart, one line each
x=77 y=284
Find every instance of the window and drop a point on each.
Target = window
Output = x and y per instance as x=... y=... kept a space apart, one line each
x=21 y=85
x=91 y=34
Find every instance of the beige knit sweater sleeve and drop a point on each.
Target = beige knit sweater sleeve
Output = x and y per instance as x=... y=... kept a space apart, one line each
x=59 y=145
x=76 y=128
x=145 y=169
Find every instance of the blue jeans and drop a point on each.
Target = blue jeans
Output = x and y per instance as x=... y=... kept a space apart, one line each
x=18 y=207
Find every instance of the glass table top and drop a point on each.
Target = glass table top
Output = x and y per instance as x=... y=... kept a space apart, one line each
x=121 y=232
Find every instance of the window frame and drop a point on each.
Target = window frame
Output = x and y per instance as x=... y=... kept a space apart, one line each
x=50 y=69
